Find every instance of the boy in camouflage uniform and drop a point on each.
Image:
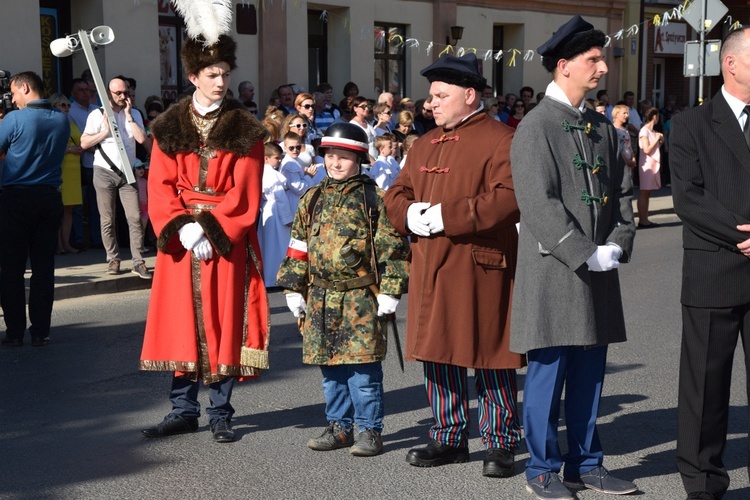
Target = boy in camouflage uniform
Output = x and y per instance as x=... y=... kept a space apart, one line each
x=340 y=316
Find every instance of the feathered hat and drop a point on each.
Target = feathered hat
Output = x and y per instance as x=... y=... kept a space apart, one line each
x=207 y=23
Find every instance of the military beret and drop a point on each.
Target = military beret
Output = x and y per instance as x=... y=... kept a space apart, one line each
x=572 y=38
x=462 y=71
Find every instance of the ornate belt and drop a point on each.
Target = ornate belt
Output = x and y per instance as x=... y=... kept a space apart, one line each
x=199 y=207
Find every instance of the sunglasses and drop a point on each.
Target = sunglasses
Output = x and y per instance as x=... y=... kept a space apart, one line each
x=64 y=105
x=298 y=147
x=298 y=125
x=387 y=112
x=308 y=106
x=119 y=93
x=519 y=105
x=364 y=106
x=152 y=117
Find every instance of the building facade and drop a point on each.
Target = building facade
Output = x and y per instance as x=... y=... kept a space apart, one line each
x=378 y=45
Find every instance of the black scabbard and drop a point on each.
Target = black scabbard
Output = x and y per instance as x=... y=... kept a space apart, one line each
x=391 y=320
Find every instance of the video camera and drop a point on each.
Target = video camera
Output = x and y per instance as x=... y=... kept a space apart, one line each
x=6 y=98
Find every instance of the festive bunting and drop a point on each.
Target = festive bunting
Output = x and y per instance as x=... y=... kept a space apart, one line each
x=397 y=40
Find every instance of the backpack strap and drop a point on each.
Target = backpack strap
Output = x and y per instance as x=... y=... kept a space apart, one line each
x=371 y=209
x=111 y=164
x=312 y=205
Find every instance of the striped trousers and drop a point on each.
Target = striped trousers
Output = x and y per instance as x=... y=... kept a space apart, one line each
x=448 y=396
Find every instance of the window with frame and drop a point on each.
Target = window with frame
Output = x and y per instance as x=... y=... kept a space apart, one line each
x=390 y=58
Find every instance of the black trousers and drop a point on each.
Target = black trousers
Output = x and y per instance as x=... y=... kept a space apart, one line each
x=29 y=222
x=709 y=338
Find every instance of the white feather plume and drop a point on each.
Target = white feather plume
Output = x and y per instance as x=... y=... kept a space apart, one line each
x=207 y=18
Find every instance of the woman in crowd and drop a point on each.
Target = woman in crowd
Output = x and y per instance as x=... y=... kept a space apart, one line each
x=304 y=103
x=519 y=109
x=491 y=107
x=351 y=89
x=362 y=114
x=620 y=114
x=71 y=177
x=649 y=162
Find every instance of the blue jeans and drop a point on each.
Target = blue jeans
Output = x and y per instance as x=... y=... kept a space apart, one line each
x=354 y=394
x=184 y=398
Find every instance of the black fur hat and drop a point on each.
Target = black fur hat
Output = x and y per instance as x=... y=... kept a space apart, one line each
x=196 y=56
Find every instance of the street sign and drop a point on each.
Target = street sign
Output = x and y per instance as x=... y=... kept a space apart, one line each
x=715 y=11
x=712 y=61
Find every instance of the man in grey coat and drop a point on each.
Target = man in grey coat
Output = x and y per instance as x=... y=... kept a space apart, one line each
x=576 y=227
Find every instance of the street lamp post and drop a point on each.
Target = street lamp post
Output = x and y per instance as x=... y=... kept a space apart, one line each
x=101 y=35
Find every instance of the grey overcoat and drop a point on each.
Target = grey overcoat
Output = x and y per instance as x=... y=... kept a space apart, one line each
x=574 y=193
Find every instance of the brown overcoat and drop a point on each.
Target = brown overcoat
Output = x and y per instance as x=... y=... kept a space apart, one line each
x=461 y=281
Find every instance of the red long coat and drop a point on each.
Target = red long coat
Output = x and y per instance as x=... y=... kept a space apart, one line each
x=224 y=331
x=461 y=282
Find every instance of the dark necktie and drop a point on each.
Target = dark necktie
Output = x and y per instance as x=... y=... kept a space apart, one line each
x=746 y=129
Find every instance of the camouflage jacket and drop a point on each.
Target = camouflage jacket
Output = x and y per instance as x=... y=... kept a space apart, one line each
x=342 y=327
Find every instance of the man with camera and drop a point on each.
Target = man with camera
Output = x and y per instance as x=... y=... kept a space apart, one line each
x=109 y=177
x=34 y=140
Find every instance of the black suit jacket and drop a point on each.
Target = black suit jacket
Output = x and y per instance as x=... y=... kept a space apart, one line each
x=710 y=163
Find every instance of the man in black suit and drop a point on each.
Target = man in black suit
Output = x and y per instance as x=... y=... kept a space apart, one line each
x=710 y=161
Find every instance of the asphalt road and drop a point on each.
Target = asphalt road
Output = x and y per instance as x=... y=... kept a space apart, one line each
x=71 y=413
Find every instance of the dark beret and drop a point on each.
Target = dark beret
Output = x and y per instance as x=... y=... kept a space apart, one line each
x=462 y=71
x=572 y=38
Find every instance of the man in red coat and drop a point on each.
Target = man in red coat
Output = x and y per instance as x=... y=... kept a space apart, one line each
x=208 y=314
x=455 y=198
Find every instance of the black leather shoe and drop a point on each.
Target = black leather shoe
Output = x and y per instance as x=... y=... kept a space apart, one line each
x=700 y=495
x=223 y=432
x=39 y=341
x=171 y=425
x=11 y=342
x=498 y=462
x=437 y=454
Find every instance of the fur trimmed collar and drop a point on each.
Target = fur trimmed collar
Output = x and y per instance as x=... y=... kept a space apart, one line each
x=236 y=130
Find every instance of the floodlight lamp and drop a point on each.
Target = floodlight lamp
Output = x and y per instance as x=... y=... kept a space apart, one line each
x=63 y=47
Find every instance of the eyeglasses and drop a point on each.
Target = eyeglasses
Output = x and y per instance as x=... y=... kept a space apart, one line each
x=307 y=106
x=119 y=93
x=298 y=147
x=298 y=125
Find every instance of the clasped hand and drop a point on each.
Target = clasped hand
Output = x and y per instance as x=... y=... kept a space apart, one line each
x=423 y=219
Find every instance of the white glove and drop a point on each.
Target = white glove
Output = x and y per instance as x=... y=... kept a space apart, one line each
x=190 y=233
x=203 y=249
x=414 y=219
x=386 y=304
x=434 y=218
x=296 y=303
x=605 y=258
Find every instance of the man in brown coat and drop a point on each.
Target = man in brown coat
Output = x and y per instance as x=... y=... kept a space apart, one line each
x=455 y=198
